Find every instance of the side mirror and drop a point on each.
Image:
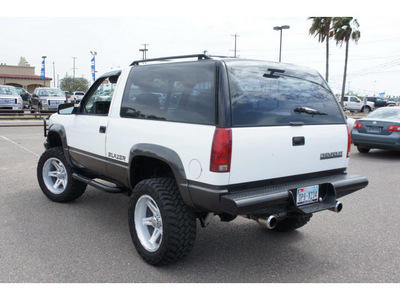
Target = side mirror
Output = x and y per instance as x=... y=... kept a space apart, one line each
x=66 y=109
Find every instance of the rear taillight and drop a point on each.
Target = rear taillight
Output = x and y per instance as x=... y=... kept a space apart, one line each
x=348 y=141
x=221 y=150
x=395 y=128
x=357 y=125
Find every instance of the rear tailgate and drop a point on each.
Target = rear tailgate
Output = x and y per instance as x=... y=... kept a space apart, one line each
x=262 y=153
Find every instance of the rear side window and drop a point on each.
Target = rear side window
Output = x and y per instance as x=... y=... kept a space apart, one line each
x=179 y=92
x=263 y=96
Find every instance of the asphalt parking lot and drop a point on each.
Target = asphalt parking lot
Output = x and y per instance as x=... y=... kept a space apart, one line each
x=89 y=241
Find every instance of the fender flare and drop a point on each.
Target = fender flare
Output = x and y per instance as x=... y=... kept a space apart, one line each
x=170 y=158
x=60 y=131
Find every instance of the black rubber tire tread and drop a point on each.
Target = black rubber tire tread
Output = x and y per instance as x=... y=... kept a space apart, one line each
x=363 y=149
x=179 y=224
x=292 y=222
x=74 y=189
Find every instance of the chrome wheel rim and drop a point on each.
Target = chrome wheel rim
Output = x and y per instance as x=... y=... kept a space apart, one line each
x=148 y=223
x=55 y=175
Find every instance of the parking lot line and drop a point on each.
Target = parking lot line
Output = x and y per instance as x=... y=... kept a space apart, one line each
x=22 y=147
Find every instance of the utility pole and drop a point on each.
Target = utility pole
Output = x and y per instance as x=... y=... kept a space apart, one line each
x=234 y=51
x=54 y=74
x=74 y=66
x=144 y=50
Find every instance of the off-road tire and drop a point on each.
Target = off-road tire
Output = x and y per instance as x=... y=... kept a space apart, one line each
x=169 y=215
x=52 y=161
x=292 y=222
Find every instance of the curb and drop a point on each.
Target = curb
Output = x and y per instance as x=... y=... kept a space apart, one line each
x=21 y=123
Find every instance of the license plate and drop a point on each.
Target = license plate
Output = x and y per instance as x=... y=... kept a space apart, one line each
x=307 y=195
x=374 y=130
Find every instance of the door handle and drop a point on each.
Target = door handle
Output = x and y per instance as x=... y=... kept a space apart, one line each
x=102 y=129
x=298 y=141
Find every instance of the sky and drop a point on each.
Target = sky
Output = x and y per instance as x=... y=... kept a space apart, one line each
x=117 y=29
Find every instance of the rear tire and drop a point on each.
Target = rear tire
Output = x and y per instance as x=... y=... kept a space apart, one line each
x=55 y=177
x=162 y=228
x=292 y=222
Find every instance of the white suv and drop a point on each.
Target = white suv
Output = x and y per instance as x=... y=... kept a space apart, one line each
x=189 y=140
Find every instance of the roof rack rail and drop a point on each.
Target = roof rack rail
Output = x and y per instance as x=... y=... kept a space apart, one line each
x=199 y=57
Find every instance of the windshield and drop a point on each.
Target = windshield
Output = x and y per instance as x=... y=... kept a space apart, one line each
x=389 y=114
x=52 y=92
x=8 y=90
x=280 y=95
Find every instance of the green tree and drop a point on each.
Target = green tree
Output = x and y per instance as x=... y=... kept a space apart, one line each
x=70 y=84
x=321 y=27
x=345 y=29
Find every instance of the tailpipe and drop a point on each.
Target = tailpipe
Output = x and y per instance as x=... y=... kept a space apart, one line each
x=338 y=207
x=270 y=222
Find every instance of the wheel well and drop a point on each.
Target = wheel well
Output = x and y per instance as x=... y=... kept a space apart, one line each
x=143 y=167
x=54 y=139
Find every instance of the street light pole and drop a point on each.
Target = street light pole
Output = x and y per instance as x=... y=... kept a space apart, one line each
x=280 y=28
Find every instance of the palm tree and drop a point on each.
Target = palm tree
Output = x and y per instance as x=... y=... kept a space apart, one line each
x=321 y=27
x=345 y=28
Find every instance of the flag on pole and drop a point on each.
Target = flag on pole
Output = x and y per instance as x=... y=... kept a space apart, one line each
x=93 y=71
x=42 y=70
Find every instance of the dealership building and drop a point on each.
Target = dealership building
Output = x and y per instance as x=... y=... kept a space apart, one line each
x=22 y=75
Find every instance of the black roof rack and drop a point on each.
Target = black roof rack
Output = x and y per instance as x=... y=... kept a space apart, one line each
x=199 y=57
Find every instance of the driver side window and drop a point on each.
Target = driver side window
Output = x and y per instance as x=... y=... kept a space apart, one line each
x=99 y=101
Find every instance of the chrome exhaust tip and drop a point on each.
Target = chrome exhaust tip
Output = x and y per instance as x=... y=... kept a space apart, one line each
x=270 y=222
x=338 y=207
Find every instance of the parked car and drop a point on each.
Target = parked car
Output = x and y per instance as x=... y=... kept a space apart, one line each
x=10 y=98
x=76 y=97
x=48 y=98
x=380 y=130
x=26 y=97
x=353 y=103
x=234 y=137
x=380 y=102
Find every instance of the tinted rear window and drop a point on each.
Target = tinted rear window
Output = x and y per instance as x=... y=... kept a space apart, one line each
x=264 y=96
x=178 y=92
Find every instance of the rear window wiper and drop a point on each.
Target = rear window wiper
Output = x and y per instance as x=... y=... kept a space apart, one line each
x=272 y=73
x=308 y=110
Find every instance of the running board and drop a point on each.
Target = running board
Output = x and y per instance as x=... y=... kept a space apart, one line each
x=98 y=185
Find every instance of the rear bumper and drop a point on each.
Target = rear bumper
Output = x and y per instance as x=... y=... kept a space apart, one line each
x=391 y=142
x=268 y=199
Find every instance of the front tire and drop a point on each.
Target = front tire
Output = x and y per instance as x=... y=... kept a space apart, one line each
x=162 y=228
x=366 y=109
x=55 y=177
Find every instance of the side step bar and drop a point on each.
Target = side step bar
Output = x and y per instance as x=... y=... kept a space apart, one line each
x=98 y=185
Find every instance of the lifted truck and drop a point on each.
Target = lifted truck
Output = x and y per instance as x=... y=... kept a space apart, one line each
x=187 y=140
